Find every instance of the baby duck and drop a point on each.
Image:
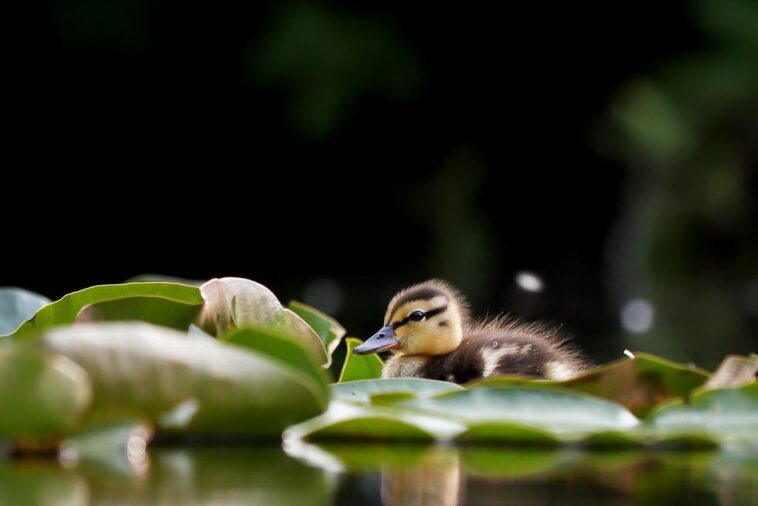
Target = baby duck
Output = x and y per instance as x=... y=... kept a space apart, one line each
x=428 y=327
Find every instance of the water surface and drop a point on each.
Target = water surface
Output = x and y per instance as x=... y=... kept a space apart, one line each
x=384 y=475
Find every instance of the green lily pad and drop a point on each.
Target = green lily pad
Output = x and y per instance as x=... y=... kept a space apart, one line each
x=186 y=385
x=232 y=303
x=728 y=415
x=42 y=395
x=283 y=350
x=615 y=439
x=359 y=367
x=18 y=305
x=350 y=422
x=390 y=398
x=327 y=328
x=164 y=312
x=517 y=434
x=564 y=414
x=361 y=391
x=164 y=295
x=160 y=278
x=639 y=384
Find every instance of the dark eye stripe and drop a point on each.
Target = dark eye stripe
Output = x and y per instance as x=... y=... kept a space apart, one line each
x=429 y=314
x=435 y=312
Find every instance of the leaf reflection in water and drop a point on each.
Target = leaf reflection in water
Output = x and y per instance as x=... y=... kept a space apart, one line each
x=419 y=475
x=199 y=476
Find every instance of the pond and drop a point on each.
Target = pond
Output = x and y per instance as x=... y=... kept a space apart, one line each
x=383 y=475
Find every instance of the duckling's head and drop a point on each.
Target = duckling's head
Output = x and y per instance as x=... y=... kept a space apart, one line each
x=425 y=319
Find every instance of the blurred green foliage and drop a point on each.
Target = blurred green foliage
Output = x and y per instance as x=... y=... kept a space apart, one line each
x=686 y=133
x=326 y=59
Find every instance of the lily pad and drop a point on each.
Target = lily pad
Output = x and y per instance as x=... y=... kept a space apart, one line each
x=42 y=395
x=639 y=384
x=517 y=434
x=361 y=391
x=164 y=312
x=283 y=350
x=615 y=439
x=232 y=303
x=18 y=305
x=186 y=385
x=327 y=328
x=564 y=414
x=164 y=295
x=390 y=398
x=359 y=367
x=160 y=278
x=350 y=422
x=728 y=415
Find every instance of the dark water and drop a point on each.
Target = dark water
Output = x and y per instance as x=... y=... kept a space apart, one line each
x=380 y=475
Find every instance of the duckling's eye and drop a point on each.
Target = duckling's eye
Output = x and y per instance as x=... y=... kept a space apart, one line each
x=417 y=316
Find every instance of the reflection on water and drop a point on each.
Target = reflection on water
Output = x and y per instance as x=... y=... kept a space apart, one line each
x=380 y=475
x=188 y=477
x=502 y=476
x=435 y=480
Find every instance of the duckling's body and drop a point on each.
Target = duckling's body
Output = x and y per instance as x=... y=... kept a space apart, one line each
x=428 y=327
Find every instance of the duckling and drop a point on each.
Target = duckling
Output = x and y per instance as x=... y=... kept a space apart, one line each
x=429 y=329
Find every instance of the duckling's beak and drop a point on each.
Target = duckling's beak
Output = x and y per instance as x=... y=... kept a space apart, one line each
x=381 y=341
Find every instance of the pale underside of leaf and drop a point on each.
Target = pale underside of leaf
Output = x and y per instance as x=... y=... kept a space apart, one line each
x=151 y=371
x=232 y=303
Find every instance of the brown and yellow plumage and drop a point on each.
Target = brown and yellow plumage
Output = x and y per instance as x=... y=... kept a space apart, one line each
x=429 y=327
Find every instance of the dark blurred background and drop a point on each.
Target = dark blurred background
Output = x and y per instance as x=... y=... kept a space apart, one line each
x=590 y=165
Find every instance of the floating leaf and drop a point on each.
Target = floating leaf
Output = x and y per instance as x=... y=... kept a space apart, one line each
x=160 y=278
x=232 y=303
x=164 y=312
x=327 y=328
x=164 y=295
x=284 y=350
x=615 y=439
x=41 y=395
x=390 y=398
x=359 y=367
x=350 y=422
x=16 y=306
x=502 y=432
x=734 y=371
x=564 y=414
x=362 y=390
x=639 y=383
x=188 y=385
x=728 y=415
